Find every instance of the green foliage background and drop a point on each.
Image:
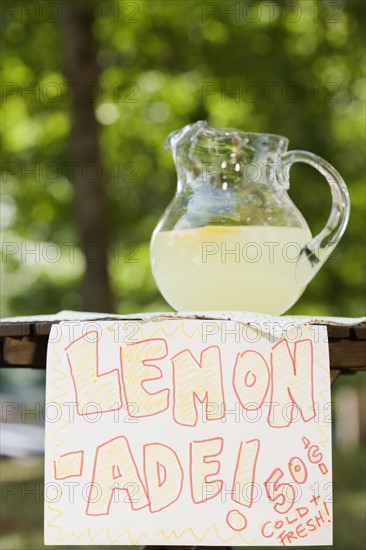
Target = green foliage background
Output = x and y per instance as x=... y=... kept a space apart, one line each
x=298 y=72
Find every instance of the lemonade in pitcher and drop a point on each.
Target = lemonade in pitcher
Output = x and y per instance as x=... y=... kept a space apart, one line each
x=232 y=239
x=235 y=268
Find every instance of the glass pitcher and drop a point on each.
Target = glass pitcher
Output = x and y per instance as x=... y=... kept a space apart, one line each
x=232 y=239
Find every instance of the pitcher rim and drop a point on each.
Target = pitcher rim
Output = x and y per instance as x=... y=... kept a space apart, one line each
x=222 y=132
x=229 y=131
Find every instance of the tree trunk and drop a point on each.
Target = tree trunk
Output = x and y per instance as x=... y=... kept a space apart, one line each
x=81 y=71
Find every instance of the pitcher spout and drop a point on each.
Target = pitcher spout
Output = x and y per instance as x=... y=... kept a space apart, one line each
x=177 y=136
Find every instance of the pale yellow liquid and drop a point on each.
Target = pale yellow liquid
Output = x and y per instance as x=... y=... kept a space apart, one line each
x=195 y=270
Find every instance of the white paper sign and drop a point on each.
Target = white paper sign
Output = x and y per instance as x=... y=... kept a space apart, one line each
x=187 y=432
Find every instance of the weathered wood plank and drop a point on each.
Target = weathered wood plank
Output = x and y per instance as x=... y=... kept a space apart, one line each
x=345 y=355
x=348 y=354
x=43 y=328
x=15 y=329
x=24 y=345
x=25 y=351
x=335 y=331
x=359 y=332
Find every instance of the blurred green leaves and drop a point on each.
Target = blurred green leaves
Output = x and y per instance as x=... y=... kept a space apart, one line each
x=293 y=69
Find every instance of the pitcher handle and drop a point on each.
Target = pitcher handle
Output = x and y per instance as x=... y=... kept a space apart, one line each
x=316 y=251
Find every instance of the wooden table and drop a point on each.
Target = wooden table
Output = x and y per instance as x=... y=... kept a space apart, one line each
x=24 y=344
